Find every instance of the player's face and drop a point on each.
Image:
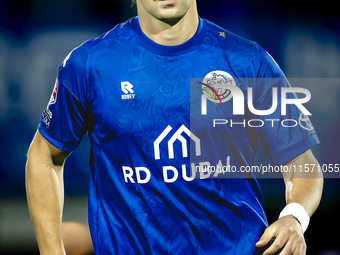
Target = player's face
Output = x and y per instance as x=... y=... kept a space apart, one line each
x=166 y=9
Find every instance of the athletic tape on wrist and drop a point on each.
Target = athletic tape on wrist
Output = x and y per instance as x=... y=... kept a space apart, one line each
x=298 y=212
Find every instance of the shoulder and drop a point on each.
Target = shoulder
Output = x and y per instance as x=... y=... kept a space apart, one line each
x=243 y=52
x=73 y=70
x=79 y=55
x=115 y=39
x=226 y=40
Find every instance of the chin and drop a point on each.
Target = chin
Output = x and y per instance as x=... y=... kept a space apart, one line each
x=170 y=15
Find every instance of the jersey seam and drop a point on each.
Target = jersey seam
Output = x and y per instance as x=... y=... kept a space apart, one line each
x=257 y=71
x=255 y=45
x=86 y=74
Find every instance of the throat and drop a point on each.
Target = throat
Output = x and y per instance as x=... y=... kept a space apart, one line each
x=171 y=31
x=174 y=34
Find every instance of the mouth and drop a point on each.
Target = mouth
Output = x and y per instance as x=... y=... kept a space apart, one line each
x=168 y=2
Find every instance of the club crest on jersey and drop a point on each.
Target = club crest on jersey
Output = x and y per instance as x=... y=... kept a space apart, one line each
x=127 y=89
x=214 y=86
x=53 y=98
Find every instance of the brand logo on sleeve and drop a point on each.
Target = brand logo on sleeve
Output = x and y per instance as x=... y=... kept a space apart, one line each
x=54 y=95
x=127 y=89
x=305 y=122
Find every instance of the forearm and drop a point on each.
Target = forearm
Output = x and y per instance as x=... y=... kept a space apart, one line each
x=305 y=191
x=45 y=196
x=305 y=187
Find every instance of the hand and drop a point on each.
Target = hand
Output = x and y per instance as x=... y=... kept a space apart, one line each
x=286 y=232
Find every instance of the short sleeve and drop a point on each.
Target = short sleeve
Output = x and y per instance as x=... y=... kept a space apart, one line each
x=284 y=137
x=63 y=122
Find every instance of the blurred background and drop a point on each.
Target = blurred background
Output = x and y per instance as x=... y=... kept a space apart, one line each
x=36 y=36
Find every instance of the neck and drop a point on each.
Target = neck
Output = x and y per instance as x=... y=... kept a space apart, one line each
x=169 y=32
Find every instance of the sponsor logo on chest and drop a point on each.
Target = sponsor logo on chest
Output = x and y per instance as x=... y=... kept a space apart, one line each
x=127 y=89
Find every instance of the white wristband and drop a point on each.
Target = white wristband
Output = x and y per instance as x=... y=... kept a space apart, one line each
x=298 y=212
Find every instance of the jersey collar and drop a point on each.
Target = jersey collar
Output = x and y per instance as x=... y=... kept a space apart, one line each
x=159 y=49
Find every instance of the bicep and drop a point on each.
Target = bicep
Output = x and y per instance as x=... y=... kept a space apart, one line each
x=303 y=166
x=41 y=149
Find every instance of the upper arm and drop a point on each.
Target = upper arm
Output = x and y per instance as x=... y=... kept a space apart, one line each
x=302 y=166
x=283 y=136
x=64 y=122
x=41 y=149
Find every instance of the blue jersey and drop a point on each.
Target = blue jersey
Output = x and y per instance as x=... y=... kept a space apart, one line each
x=143 y=110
